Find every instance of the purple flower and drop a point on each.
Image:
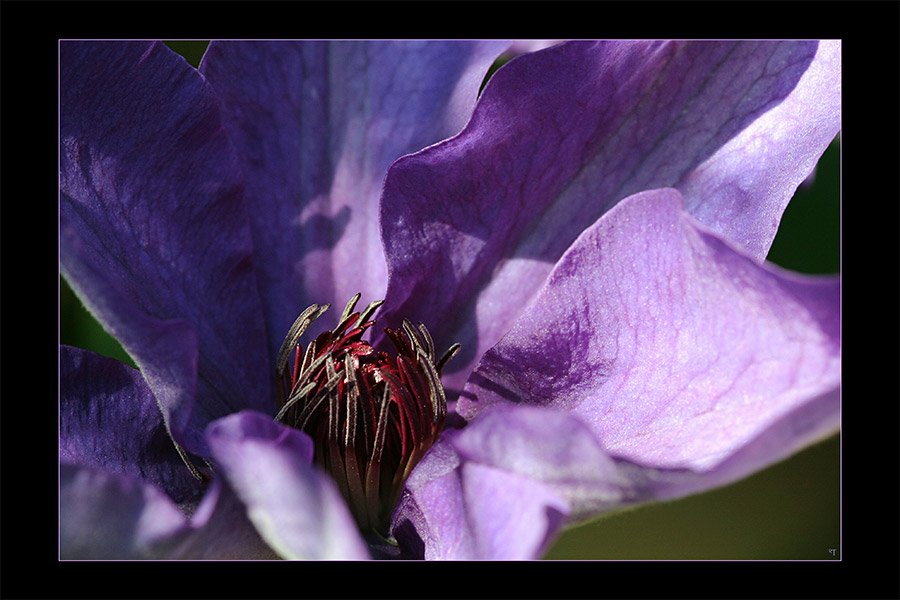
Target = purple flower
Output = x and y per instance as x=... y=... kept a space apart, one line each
x=592 y=232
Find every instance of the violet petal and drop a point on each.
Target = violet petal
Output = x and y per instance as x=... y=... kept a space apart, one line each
x=221 y=530
x=109 y=420
x=113 y=516
x=559 y=450
x=153 y=229
x=473 y=225
x=555 y=448
x=675 y=348
x=316 y=125
x=296 y=508
x=741 y=191
x=472 y=511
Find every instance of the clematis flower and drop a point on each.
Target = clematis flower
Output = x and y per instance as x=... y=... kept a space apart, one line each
x=592 y=233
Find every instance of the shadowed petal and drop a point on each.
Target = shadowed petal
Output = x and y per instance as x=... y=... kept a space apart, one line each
x=317 y=124
x=112 y=516
x=221 y=530
x=109 y=420
x=675 y=349
x=115 y=516
x=153 y=230
x=297 y=509
x=473 y=225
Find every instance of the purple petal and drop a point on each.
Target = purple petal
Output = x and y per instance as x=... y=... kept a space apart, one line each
x=676 y=349
x=455 y=511
x=221 y=530
x=112 y=516
x=742 y=190
x=519 y=473
x=473 y=225
x=297 y=509
x=116 y=516
x=316 y=125
x=153 y=229
x=543 y=448
x=554 y=448
x=109 y=420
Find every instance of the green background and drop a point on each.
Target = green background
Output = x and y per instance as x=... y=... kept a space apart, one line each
x=790 y=511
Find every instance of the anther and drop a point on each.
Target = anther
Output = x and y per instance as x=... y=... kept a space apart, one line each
x=372 y=415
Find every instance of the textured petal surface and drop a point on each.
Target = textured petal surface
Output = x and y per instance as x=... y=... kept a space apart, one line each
x=676 y=349
x=297 y=509
x=109 y=420
x=153 y=229
x=316 y=125
x=741 y=191
x=473 y=226
x=472 y=511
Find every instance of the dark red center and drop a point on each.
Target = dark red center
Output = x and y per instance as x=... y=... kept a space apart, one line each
x=371 y=415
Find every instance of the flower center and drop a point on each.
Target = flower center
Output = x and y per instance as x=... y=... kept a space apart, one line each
x=371 y=415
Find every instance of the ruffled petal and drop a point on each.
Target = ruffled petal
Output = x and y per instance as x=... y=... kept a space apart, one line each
x=109 y=420
x=559 y=450
x=153 y=229
x=473 y=225
x=296 y=508
x=521 y=472
x=676 y=349
x=452 y=510
x=555 y=448
x=316 y=125
x=741 y=191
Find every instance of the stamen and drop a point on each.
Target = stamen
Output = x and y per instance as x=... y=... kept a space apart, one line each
x=297 y=329
x=450 y=353
x=429 y=343
x=372 y=416
x=370 y=309
x=350 y=306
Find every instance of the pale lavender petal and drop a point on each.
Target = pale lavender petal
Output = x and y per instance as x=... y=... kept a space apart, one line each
x=114 y=516
x=742 y=190
x=520 y=472
x=296 y=508
x=430 y=519
x=109 y=420
x=676 y=349
x=471 y=511
x=797 y=428
x=473 y=225
x=153 y=229
x=513 y=517
x=617 y=388
x=554 y=447
x=317 y=124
